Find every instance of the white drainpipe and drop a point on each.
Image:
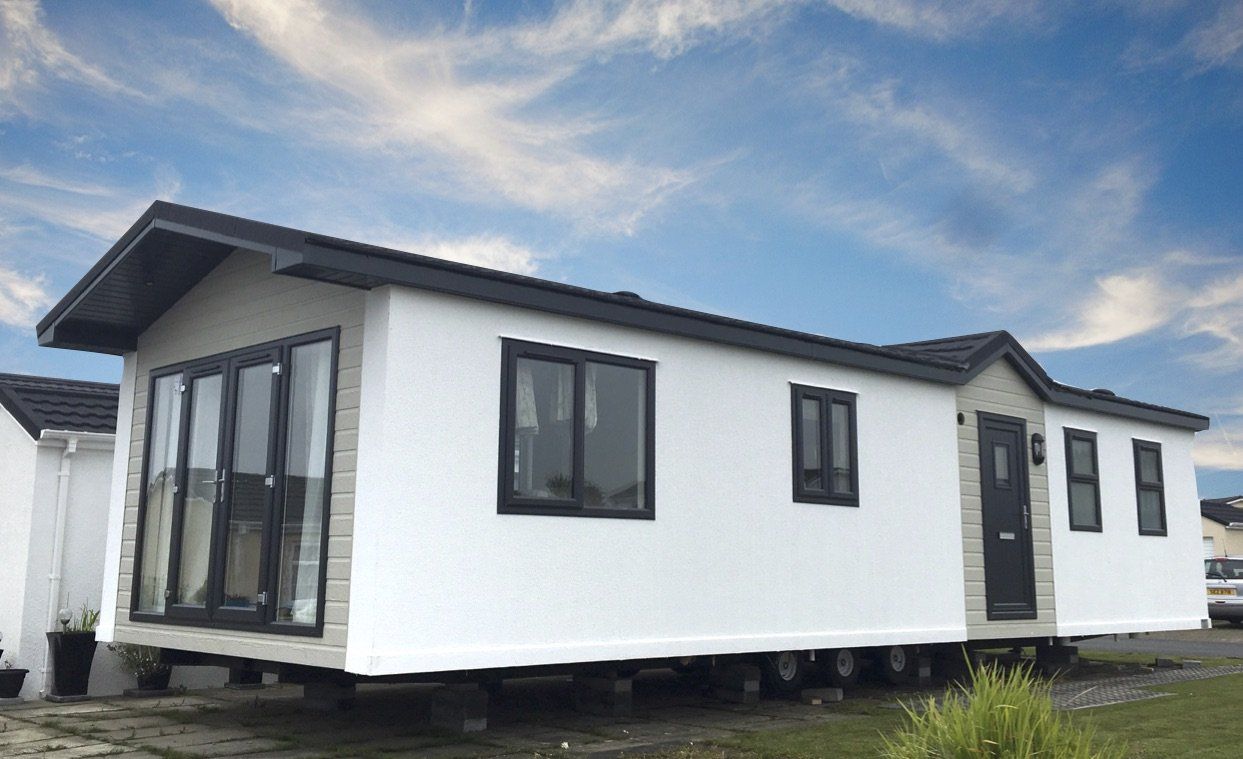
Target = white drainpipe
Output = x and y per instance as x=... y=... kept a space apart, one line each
x=58 y=551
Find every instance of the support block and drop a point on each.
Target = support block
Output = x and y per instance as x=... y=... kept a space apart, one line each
x=244 y=679
x=328 y=697
x=1054 y=658
x=460 y=708
x=923 y=674
x=819 y=696
x=739 y=683
x=607 y=695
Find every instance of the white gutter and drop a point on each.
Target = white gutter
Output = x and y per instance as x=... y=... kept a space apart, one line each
x=70 y=442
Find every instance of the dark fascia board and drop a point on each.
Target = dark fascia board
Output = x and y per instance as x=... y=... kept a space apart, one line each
x=301 y=254
x=320 y=257
x=12 y=405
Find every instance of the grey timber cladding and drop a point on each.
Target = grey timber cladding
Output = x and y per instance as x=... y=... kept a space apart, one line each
x=238 y=304
x=1001 y=390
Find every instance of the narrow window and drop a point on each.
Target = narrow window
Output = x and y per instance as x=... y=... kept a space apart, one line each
x=1149 y=487
x=577 y=434
x=825 y=456
x=1001 y=465
x=201 y=492
x=1083 y=482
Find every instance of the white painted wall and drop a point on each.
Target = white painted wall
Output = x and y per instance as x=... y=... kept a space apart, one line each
x=1117 y=580
x=17 y=473
x=731 y=563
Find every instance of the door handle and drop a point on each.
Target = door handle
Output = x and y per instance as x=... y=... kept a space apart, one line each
x=1027 y=516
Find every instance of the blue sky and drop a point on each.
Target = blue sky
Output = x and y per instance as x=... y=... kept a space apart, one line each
x=879 y=171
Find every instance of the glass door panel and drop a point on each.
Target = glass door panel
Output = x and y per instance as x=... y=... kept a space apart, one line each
x=160 y=491
x=249 y=486
x=202 y=480
x=300 y=540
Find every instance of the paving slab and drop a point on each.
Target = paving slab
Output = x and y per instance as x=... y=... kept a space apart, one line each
x=24 y=734
x=242 y=747
x=46 y=745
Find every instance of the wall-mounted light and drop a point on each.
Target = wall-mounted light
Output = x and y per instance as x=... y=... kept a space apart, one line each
x=65 y=617
x=1037 y=448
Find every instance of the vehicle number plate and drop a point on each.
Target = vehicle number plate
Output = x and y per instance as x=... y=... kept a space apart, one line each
x=1221 y=591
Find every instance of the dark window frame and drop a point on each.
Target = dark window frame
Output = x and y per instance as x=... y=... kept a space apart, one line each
x=826 y=398
x=575 y=506
x=1157 y=486
x=1070 y=435
x=218 y=616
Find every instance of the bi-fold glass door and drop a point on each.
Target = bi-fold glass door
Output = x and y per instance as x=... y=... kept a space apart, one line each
x=222 y=513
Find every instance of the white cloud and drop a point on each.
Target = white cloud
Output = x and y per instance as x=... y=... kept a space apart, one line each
x=1219 y=40
x=489 y=251
x=1216 y=448
x=31 y=53
x=1121 y=306
x=941 y=20
x=22 y=297
x=465 y=102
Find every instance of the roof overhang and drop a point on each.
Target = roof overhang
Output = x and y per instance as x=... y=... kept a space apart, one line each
x=172 y=247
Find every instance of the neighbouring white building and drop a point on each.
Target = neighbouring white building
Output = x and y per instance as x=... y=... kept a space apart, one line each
x=340 y=461
x=56 y=455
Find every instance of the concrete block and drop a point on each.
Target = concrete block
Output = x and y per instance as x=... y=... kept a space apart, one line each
x=1192 y=664
x=1163 y=663
x=606 y=695
x=244 y=679
x=460 y=708
x=818 y=696
x=328 y=697
x=923 y=672
x=739 y=683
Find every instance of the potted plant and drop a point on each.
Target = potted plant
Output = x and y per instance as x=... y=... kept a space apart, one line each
x=143 y=662
x=11 y=679
x=73 y=651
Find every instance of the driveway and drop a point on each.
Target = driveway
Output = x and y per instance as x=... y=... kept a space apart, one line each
x=1221 y=641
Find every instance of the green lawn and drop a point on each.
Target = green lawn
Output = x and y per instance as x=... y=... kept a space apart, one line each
x=1200 y=720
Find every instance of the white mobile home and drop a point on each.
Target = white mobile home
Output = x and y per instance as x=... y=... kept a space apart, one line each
x=344 y=459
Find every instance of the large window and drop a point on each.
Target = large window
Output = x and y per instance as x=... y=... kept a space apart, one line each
x=1149 y=487
x=826 y=468
x=577 y=436
x=1083 y=480
x=235 y=488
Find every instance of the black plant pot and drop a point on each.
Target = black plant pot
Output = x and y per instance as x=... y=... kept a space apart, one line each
x=157 y=680
x=11 y=682
x=72 y=654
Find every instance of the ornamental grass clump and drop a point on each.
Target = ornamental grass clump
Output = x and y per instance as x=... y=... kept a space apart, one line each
x=1001 y=714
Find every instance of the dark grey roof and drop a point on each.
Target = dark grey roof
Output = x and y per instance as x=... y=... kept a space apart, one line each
x=45 y=403
x=1219 y=510
x=171 y=247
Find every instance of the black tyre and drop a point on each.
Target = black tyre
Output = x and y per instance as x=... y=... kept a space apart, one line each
x=1236 y=623
x=782 y=671
x=897 y=663
x=841 y=666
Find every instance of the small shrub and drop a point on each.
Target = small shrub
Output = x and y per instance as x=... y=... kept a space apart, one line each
x=85 y=621
x=1003 y=715
x=139 y=661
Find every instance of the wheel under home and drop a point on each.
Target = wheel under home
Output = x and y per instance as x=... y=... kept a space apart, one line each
x=896 y=662
x=841 y=666
x=782 y=671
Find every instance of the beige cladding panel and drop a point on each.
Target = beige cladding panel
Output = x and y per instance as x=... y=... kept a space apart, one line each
x=241 y=303
x=1000 y=390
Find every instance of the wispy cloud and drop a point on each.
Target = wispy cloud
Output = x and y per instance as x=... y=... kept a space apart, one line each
x=1121 y=306
x=1217 y=41
x=944 y=21
x=31 y=54
x=22 y=296
x=489 y=250
x=1220 y=448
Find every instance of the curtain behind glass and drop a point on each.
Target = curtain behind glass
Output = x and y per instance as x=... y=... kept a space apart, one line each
x=161 y=476
x=305 y=474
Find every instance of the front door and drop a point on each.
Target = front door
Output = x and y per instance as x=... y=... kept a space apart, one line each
x=1009 y=572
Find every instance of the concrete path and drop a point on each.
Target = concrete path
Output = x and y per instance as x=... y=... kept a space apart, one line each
x=1221 y=641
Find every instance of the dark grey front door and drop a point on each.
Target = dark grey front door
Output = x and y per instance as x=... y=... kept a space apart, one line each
x=1009 y=572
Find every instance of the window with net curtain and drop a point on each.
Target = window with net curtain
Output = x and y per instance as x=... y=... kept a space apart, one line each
x=578 y=426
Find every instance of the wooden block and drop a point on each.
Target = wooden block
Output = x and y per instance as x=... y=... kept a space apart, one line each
x=819 y=696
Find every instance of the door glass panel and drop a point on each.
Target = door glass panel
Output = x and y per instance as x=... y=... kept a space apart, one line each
x=1081 y=456
x=157 y=530
x=201 y=489
x=247 y=487
x=1001 y=465
x=840 y=420
x=306 y=449
x=812 y=476
x=1083 y=504
x=544 y=429
x=615 y=431
x=1149 y=465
